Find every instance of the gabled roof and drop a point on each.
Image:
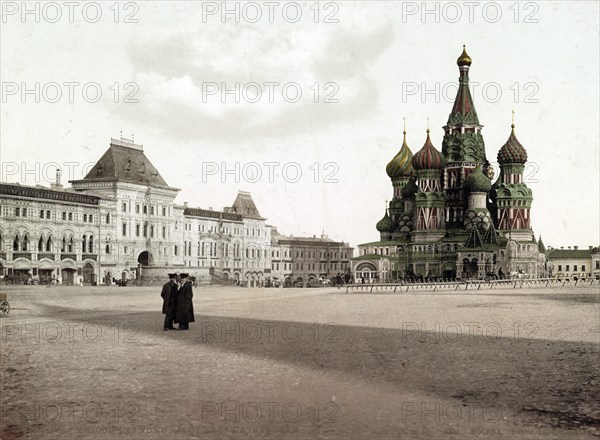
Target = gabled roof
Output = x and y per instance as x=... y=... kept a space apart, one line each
x=125 y=161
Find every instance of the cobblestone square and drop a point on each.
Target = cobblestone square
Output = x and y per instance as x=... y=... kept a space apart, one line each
x=95 y=363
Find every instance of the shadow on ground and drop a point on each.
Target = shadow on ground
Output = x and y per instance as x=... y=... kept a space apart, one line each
x=551 y=383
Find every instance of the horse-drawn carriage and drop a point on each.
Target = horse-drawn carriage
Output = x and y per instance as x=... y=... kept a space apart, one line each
x=4 y=305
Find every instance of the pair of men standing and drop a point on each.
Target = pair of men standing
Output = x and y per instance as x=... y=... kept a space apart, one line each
x=177 y=297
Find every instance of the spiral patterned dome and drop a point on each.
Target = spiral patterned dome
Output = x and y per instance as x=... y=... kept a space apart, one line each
x=401 y=164
x=428 y=158
x=512 y=151
x=385 y=224
x=409 y=189
x=477 y=181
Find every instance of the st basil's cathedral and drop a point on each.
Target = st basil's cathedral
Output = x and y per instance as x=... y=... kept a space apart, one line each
x=446 y=219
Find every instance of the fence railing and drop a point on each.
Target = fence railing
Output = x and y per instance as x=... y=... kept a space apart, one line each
x=473 y=284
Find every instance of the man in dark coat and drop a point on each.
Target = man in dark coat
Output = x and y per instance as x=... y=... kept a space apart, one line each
x=169 y=296
x=185 y=307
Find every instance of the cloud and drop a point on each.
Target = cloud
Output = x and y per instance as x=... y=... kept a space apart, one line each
x=185 y=75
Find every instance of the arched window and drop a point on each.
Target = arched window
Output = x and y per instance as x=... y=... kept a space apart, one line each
x=64 y=245
x=41 y=244
x=49 y=244
x=107 y=250
x=84 y=244
x=25 y=242
x=70 y=248
x=91 y=244
x=16 y=243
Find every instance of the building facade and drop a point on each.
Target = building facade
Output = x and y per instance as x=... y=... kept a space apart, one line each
x=121 y=221
x=446 y=218
x=308 y=261
x=574 y=262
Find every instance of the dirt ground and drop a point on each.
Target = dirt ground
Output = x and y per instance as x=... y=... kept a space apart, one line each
x=95 y=363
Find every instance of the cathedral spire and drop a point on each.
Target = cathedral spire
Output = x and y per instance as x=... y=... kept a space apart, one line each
x=463 y=111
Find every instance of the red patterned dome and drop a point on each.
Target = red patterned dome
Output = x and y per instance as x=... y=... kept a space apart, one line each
x=428 y=158
x=512 y=151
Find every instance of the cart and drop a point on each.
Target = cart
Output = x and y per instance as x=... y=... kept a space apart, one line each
x=4 y=305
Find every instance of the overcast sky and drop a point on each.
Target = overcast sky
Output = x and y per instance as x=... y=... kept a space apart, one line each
x=161 y=67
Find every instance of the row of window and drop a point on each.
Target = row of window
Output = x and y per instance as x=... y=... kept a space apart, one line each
x=559 y=267
x=143 y=230
x=144 y=209
x=417 y=248
x=65 y=216
x=309 y=266
x=377 y=251
x=45 y=244
x=310 y=254
x=214 y=229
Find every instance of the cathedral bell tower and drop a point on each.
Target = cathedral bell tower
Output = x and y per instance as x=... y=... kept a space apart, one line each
x=462 y=148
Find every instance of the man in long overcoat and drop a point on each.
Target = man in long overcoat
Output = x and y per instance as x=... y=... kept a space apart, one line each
x=185 y=306
x=169 y=296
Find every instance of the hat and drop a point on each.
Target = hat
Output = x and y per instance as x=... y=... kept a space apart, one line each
x=183 y=275
x=172 y=275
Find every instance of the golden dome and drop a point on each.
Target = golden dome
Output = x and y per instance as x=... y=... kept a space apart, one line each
x=464 y=59
x=401 y=164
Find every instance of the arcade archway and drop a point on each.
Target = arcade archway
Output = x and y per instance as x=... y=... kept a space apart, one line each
x=144 y=258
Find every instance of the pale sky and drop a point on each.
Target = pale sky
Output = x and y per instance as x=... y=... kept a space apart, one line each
x=379 y=63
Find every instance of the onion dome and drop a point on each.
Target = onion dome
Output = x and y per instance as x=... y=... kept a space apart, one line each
x=401 y=164
x=477 y=181
x=464 y=59
x=512 y=151
x=428 y=158
x=386 y=224
x=409 y=190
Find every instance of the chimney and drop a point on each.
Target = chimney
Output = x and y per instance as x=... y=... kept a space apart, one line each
x=562 y=247
x=225 y=208
x=590 y=248
x=569 y=247
x=185 y=205
x=575 y=247
x=56 y=185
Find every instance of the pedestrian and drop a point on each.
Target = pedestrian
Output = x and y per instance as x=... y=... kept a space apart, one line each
x=169 y=296
x=185 y=306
